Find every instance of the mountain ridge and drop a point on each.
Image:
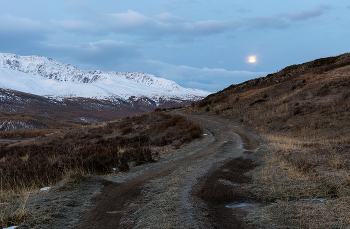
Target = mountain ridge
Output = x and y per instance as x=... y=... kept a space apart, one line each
x=124 y=84
x=43 y=86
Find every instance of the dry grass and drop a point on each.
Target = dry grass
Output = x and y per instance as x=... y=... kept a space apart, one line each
x=294 y=169
x=95 y=149
x=326 y=214
x=305 y=122
x=13 y=207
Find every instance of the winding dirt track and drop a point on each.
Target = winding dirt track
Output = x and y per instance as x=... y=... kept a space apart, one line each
x=115 y=198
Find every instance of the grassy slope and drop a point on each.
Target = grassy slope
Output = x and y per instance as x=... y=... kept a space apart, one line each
x=303 y=112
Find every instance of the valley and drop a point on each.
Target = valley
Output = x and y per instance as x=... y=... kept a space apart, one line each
x=272 y=152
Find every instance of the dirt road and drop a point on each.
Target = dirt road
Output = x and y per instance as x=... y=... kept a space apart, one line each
x=187 y=189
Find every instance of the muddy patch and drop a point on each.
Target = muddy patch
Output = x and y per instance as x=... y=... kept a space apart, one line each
x=223 y=195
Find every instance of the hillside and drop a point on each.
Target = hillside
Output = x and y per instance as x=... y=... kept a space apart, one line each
x=83 y=110
x=309 y=101
x=303 y=113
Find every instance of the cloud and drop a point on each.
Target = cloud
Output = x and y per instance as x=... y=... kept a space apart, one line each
x=308 y=14
x=18 y=33
x=107 y=54
x=167 y=17
x=167 y=25
x=11 y=24
x=127 y=21
x=265 y=22
x=101 y=50
x=110 y=55
x=176 y=4
x=76 y=5
x=281 y=21
x=222 y=47
x=202 y=78
x=134 y=23
x=211 y=79
x=80 y=27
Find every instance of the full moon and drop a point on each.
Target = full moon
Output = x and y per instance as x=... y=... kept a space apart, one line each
x=252 y=59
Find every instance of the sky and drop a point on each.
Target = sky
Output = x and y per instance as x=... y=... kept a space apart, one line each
x=203 y=44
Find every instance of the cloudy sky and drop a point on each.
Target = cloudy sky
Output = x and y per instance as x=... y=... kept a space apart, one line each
x=204 y=44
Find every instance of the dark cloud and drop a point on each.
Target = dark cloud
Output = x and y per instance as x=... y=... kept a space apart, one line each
x=265 y=22
x=168 y=25
x=134 y=23
x=308 y=14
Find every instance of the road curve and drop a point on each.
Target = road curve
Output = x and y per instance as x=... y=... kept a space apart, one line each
x=224 y=141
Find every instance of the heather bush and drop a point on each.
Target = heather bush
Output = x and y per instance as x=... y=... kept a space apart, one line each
x=93 y=150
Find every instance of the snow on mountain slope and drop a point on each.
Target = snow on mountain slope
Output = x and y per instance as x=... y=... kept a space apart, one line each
x=119 y=89
x=47 y=77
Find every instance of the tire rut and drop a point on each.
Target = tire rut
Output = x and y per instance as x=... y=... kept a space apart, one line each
x=116 y=198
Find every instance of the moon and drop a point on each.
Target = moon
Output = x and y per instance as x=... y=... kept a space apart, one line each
x=252 y=59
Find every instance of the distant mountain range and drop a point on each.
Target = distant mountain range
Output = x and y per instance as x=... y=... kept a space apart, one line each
x=41 y=85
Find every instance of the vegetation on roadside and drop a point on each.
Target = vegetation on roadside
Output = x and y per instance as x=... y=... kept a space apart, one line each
x=96 y=149
x=303 y=113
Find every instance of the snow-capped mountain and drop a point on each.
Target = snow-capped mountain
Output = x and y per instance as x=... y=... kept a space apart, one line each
x=47 y=77
x=44 y=86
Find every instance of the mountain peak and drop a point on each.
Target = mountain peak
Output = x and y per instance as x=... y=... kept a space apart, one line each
x=60 y=71
x=48 y=77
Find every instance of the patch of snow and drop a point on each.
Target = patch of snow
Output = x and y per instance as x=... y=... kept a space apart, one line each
x=13 y=227
x=246 y=205
x=227 y=182
x=45 y=189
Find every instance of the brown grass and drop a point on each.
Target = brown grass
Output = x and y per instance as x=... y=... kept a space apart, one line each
x=305 y=122
x=95 y=149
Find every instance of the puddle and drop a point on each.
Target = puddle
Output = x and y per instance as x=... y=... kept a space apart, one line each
x=316 y=200
x=228 y=183
x=246 y=205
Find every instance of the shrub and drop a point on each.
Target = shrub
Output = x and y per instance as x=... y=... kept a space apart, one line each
x=127 y=130
x=157 y=110
x=92 y=152
x=258 y=101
